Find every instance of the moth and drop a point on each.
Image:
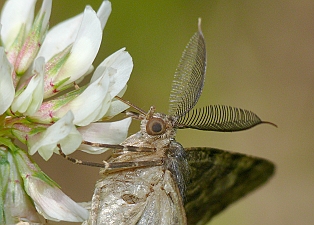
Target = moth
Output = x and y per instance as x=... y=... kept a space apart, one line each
x=151 y=179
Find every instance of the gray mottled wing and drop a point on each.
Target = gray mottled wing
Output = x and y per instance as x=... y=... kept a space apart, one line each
x=141 y=196
x=189 y=77
x=219 y=178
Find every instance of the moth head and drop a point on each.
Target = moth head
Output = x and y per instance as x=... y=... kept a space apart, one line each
x=156 y=126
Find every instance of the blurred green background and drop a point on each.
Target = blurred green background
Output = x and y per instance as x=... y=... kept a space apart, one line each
x=260 y=57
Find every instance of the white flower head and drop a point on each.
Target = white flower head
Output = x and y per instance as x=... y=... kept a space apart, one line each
x=36 y=64
x=31 y=75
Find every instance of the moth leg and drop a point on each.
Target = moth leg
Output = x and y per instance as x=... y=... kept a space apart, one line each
x=120 y=147
x=133 y=164
x=133 y=115
x=112 y=165
x=77 y=161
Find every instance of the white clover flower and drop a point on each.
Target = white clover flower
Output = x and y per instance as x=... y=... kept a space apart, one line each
x=36 y=64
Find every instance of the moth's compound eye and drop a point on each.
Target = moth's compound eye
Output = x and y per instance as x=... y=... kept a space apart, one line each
x=155 y=126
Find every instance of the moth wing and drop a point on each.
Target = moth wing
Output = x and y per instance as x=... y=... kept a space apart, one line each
x=137 y=197
x=165 y=205
x=219 y=178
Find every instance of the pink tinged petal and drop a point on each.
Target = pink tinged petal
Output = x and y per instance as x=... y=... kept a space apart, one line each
x=104 y=132
x=47 y=111
x=63 y=132
x=14 y=50
x=52 y=68
x=103 y=13
x=88 y=106
x=29 y=101
x=15 y=14
x=85 y=48
x=34 y=38
x=23 y=131
x=122 y=62
x=45 y=114
x=7 y=90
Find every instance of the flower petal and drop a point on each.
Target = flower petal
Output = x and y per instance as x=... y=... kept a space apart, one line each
x=18 y=205
x=103 y=13
x=29 y=101
x=60 y=36
x=63 y=132
x=116 y=107
x=34 y=38
x=64 y=34
x=109 y=80
x=15 y=14
x=52 y=203
x=88 y=41
x=105 y=132
x=122 y=62
x=88 y=105
x=7 y=90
